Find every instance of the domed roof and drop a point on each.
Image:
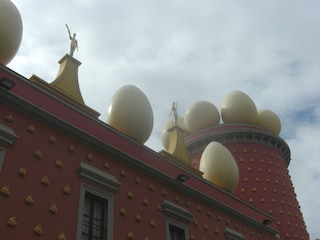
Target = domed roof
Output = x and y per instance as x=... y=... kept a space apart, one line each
x=130 y=112
x=200 y=115
x=219 y=166
x=269 y=120
x=237 y=107
x=10 y=31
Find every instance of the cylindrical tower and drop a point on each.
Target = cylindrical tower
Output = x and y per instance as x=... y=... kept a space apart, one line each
x=264 y=181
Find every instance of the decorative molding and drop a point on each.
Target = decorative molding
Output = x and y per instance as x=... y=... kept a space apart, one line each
x=233 y=235
x=176 y=211
x=7 y=136
x=241 y=134
x=96 y=176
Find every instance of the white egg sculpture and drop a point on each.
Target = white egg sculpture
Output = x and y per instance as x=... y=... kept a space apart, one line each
x=165 y=133
x=238 y=107
x=130 y=112
x=201 y=115
x=10 y=31
x=219 y=166
x=269 y=120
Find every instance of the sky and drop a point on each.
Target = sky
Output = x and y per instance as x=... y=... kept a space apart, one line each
x=187 y=51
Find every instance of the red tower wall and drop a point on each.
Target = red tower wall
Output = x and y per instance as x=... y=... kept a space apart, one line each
x=264 y=180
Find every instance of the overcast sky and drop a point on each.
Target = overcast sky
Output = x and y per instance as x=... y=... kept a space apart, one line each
x=187 y=51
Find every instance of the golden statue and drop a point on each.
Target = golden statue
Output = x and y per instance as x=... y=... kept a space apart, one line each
x=73 y=42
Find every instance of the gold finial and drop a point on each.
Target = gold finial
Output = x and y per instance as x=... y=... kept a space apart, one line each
x=73 y=41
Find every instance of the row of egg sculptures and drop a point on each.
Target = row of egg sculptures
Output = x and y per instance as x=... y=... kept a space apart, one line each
x=10 y=31
x=217 y=163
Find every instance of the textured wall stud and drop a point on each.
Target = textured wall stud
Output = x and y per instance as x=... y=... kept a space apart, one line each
x=259 y=169
x=71 y=148
x=137 y=180
x=219 y=218
x=236 y=226
x=138 y=218
x=257 y=179
x=145 y=202
x=242 y=190
x=209 y=214
x=244 y=230
x=216 y=231
x=195 y=222
x=130 y=235
x=246 y=179
x=272 y=200
x=262 y=200
x=9 y=118
x=12 y=222
x=251 y=200
x=52 y=139
x=151 y=187
x=177 y=198
x=89 y=157
x=267 y=180
x=59 y=163
x=130 y=195
x=245 y=150
x=45 y=180
x=188 y=204
x=106 y=165
x=37 y=154
x=53 y=208
x=249 y=169
x=38 y=230
x=241 y=160
x=252 y=160
x=206 y=227
x=146 y=238
x=31 y=129
x=62 y=236
x=228 y=222
x=262 y=160
x=123 y=173
x=22 y=171
x=30 y=200
x=192 y=237
x=67 y=189
x=164 y=192
x=199 y=209
x=153 y=223
x=234 y=150
x=159 y=207
x=265 y=189
x=123 y=211
x=5 y=191
x=255 y=151
x=270 y=211
x=254 y=189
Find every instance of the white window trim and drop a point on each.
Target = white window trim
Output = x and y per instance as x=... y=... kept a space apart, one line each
x=85 y=188
x=233 y=235
x=2 y=154
x=173 y=222
x=98 y=177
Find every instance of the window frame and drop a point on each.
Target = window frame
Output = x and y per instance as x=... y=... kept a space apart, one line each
x=110 y=209
x=176 y=224
x=2 y=154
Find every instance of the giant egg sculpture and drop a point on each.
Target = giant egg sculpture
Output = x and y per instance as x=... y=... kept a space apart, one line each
x=130 y=112
x=200 y=115
x=10 y=31
x=269 y=120
x=238 y=107
x=219 y=166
